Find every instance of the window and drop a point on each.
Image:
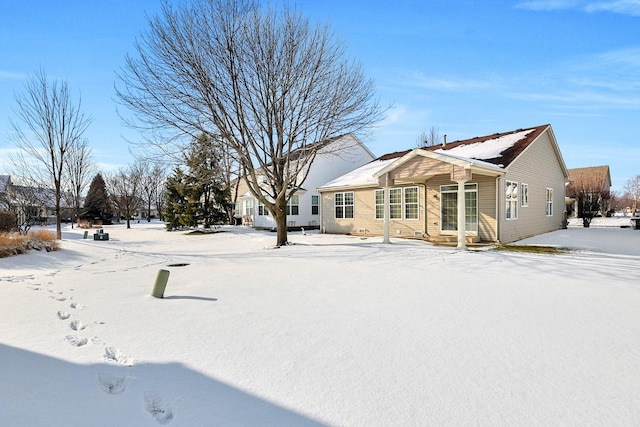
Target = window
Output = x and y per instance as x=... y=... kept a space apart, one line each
x=411 y=203
x=449 y=207
x=549 y=204
x=343 y=203
x=403 y=201
x=395 y=203
x=262 y=209
x=524 y=195
x=379 y=196
x=511 y=194
x=315 y=205
x=292 y=207
x=249 y=207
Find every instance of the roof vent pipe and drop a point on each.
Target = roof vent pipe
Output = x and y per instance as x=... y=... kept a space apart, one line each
x=444 y=141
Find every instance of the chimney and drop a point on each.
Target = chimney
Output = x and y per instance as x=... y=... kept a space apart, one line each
x=444 y=141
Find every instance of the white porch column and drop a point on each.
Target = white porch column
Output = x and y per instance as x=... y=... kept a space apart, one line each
x=387 y=214
x=462 y=223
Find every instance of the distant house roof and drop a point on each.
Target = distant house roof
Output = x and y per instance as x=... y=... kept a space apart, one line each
x=495 y=151
x=4 y=183
x=600 y=173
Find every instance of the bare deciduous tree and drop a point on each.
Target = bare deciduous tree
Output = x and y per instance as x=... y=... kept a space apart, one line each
x=80 y=171
x=265 y=81
x=124 y=190
x=429 y=138
x=53 y=126
x=632 y=189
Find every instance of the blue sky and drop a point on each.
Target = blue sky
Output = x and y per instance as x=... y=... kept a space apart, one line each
x=467 y=68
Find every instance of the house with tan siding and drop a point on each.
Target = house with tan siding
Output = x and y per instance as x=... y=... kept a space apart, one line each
x=495 y=188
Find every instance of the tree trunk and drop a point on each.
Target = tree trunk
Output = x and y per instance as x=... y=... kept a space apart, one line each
x=58 y=221
x=281 y=227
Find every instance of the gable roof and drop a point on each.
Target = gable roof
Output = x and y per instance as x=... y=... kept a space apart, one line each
x=501 y=149
x=301 y=152
x=591 y=172
x=490 y=153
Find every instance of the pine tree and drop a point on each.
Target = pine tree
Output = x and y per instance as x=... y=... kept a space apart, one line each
x=199 y=195
x=206 y=177
x=96 y=204
x=180 y=202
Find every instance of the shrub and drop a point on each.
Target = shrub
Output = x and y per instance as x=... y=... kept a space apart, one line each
x=7 y=221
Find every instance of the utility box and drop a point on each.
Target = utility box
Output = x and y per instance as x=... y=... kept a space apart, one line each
x=101 y=236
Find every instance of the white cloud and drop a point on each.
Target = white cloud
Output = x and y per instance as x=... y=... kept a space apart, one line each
x=623 y=7
x=8 y=75
x=546 y=5
x=420 y=80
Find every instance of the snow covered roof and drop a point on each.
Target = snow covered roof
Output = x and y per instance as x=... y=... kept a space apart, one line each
x=491 y=151
x=499 y=149
x=364 y=176
x=488 y=149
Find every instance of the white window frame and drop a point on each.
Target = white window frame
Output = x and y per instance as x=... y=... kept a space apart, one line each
x=315 y=205
x=511 y=204
x=262 y=209
x=524 y=195
x=407 y=204
x=395 y=203
x=340 y=208
x=293 y=207
x=453 y=189
x=549 y=202
x=400 y=206
x=378 y=201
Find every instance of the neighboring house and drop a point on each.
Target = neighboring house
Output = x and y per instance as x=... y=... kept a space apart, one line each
x=337 y=156
x=592 y=183
x=513 y=187
x=5 y=185
x=30 y=204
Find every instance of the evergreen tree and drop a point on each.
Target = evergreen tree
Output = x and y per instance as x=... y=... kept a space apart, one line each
x=199 y=195
x=207 y=181
x=181 y=202
x=96 y=204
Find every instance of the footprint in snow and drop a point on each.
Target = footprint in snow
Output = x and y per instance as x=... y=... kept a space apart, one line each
x=156 y=406
x=114 y=355
x=58 y=298
x=77 y=325
x=76 y=342
x=76 y=306
x=63 y=315
x=111 y=384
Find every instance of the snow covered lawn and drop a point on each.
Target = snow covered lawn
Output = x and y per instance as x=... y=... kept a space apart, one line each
x=332 y=330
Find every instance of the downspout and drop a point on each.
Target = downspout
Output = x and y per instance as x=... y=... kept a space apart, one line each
x=498 y=208
x=320 y=210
